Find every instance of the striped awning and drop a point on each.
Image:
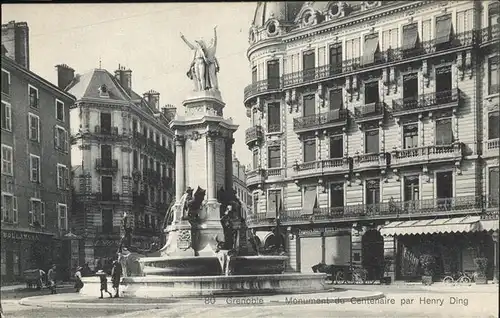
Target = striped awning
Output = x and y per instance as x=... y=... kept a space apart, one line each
x=446 y=225
x=489 y=225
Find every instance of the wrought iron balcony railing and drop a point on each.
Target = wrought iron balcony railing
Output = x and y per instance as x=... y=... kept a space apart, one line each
x=254 y=134
x=327 y=165
x=107 y=196
x=109 y=165
x=262 y=86
x=385 y=210
x=101 y=130
x=151 y=175
x=418 y=155
x=426 y=102
x=367 y=112
x=490 y=33
x=322 y=120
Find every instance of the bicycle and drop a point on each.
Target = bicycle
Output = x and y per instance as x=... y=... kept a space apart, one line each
x=458 y=278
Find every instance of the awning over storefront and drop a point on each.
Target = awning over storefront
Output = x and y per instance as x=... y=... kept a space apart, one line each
x=416 y=227
x=488 y=225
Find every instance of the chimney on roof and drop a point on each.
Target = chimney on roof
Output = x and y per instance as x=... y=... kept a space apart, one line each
x=153 y=99
x=124 y=77
x=65 y=75
x=15 y=39
x=169 y=111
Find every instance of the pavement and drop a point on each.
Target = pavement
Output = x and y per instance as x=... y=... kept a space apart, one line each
x=399 y=301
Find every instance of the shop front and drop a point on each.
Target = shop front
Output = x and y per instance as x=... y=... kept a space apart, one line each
x=23 y=250
x=454 y=243
x=331 y=246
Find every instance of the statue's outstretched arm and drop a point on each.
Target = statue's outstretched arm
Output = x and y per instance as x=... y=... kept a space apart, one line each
x=191 y=46
x=215 y=37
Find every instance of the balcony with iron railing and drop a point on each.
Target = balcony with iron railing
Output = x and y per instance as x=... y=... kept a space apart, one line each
x=491 y=147
x=434 y=153
x=108 y=229
x=398 y=210
x=139 y=139
x=370 y=161
x=369 y=112
x=138 y=199
x=106 y=165
x=107 y=197
x=332 y=118
x=151 y=175
x=323 y=167
x=489 y=34
x=260 y=87
x=106 y=131
x=427 y=102
x=254 y=135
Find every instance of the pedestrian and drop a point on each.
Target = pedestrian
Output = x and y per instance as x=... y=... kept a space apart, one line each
x=116 y=275
x=41 y=274
x=51 y=278
x=78 y=279
x=104 y=283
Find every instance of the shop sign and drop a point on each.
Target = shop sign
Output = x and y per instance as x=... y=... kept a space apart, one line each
x=106 y=243
x=319 y=231
x=14 y=235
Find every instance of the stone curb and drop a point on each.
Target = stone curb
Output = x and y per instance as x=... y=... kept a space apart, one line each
x=44 y=301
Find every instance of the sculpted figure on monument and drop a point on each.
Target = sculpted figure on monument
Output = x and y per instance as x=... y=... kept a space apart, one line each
x=126 y=240
x=204 y=67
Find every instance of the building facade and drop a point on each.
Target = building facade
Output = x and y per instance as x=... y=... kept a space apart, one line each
x=35 y=188
x=375 y=132
x=240 y=185
x=123 y=161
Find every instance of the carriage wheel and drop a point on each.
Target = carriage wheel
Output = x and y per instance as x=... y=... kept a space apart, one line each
x=339 y=277
x=464 y=280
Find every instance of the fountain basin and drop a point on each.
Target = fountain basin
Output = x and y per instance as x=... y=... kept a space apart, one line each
x=155 y=286
x=182 y=266
x=257 y=265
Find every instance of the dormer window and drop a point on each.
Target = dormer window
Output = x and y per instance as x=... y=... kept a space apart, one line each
x=272 y=28
x=103 y=91
x=334 y=10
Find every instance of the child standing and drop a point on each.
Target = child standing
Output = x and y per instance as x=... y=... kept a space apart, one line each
x=104 y=283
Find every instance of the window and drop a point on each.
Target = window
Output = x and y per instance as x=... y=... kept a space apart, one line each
x=443 y=85
x=410 y=136
x=152 y=193
x=255 y=203
x=105 y=123
x=255 y=158
x=493 y=127
x=372 y=191
x=9 y=208
x=106 y=155
x=36 y=214
x=33 y=94
x=274 y=157
x=309 y=200
x=63 y=216
x=410 y=90
x=411 y=188
x=335 y=59
x=62 y=177
x=273 y=118
x=493 y=191
x=107 y=220
x=163 y=142
x=371 y=141
x=444 y=185
x=273 y=74
x=135 y=127
x=444 y=133
x=493 y=75
x=5 y=82
x=308 y=65
x=371 y=50
x=7 y=160
x=371 y=92
x=59 y=110
x=310 y=150
x=61 y=139
x=6 y=116
x=254 y=74
x=443 y=31
x=309 y=105
x=336 y=99
x=336 y=195
x=146 y=221
x=135 y=159
x=274 y=203
x=34 y=127
x=34 y=168
x=410 y=40
x=336 y=147
x=107 y=188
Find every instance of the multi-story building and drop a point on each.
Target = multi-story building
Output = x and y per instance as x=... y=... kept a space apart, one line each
x=122 y=160
x=240 y=185
x=35 y=195
x=375 y=131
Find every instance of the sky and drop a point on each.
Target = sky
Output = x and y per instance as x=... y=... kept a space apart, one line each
x=145 y=38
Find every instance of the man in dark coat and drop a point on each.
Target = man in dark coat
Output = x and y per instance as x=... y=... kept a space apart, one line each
x=116 y=275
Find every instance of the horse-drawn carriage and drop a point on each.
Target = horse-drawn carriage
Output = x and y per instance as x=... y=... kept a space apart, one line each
x=34 y=278
x=344 y=274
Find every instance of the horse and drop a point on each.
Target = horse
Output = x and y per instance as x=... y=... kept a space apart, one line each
x=323 y=268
